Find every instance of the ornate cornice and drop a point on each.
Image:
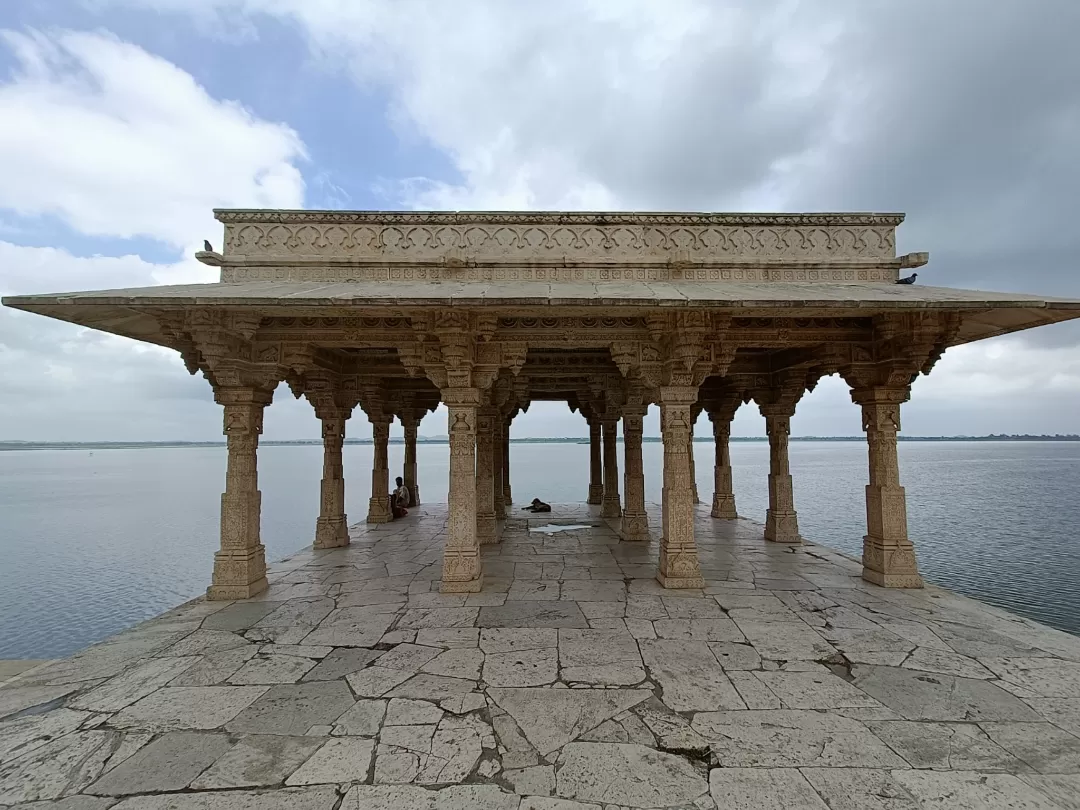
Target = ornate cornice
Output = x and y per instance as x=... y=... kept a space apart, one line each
x=257 y=242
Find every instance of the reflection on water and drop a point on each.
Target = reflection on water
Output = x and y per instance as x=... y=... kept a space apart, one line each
x=90 y=544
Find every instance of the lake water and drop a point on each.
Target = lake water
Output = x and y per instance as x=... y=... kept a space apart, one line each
x=93 y=543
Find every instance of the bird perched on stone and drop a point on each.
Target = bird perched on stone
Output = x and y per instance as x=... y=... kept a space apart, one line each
x=207 y=246
x=909 y=280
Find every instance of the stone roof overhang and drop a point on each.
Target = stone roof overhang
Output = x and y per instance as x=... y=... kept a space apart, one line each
x=132 y=312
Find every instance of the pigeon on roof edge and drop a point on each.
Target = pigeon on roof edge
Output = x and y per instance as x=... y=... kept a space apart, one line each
x=908 y=280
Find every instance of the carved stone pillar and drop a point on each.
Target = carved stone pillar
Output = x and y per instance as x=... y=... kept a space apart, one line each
x=331 y=528
x=410 y=425
x=379 y=505
x=690 y=456
x=888 y=555
x=596 y=465
x=635 y=520
x=485 y=484
x=240 y=565
x=461 y=556
x=610 y=506
x=679 y=567
x=497 y=457
x=723 y=503
x=507 y=497
x=781 y=520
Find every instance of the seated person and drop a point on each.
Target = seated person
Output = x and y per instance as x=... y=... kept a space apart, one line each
x=399 y=500
x=537 y=505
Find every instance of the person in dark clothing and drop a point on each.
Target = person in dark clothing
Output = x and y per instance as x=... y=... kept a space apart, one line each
x=537 y=505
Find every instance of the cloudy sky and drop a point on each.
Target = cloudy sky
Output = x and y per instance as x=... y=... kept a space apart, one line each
x=124 y=122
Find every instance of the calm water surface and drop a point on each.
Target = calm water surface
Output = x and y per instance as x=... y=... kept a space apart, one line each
x=92 y=543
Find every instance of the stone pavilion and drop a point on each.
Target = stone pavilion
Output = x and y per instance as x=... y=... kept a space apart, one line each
x=486 y=312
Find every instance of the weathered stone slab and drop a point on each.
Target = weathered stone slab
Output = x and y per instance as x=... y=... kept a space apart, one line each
x=550 y=718
x=861 y=789
x=461 y=662
x=188 y=707
x=314 y=798
x=945 y=746
x=946 y=662
x=628 y=775
x=272 y=669
x=14 y=699
x=785 y=641
x=257 y=760
x=536 y=781
x=522 y=668
x=532 y=614
x=814 y=690
x=362 y=720
x=406 y=712
x=592 y=590
x=376 y=681
x=169 y=763
x=788 y=738
x=21 y=735
x=1043 y=746
x=925 y=696
x=500 y=640
x=762 y=789
x=215 y=668
x=136 y=683
x=412 y=797
x=240 y=615
x=292 y=709
x=714 y=629
x=421 y=618
x=688 y=673
x=342 y=662
x=448 y=636
x=58 y=768
x=432 y=687
x=361 y=632
x=964 y=789
x=600 y=656
x=203 y=642
x=1044 y=677
x=342 y=759
x=735 y=656
x=408 y=657
x=671 y=729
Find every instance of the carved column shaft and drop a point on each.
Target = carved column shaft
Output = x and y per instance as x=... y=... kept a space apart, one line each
x=379 y=505
x=610 y=505
x=723 y=505
x=507 y=497
x=410 y=426
x=331 y=528
x=781 y=520
x=485 y=484
x=240 y=565
x=596 y=465
x=693 y=466
x=679 y=566
x=461 y=556
x=635 y=520
x=497 y=457
x=888 y=554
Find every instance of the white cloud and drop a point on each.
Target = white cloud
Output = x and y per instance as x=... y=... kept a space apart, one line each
x=117 y=142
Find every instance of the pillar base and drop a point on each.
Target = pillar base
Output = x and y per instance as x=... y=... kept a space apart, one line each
x=238 y=575
x=414 y=495
x=331 y=532
x=379 y=510
x=487 y=530
x=697 y=498
x=782 y=527
x=891 y=566
x=611 y=509
x=723 y=507
x=596 y=494
x=679 y=582
x=468 y=586
x=635 y=528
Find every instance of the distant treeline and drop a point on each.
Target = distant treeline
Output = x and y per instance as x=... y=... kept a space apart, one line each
x=994 y=437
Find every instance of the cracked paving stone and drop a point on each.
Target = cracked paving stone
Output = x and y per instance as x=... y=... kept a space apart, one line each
x=408 y=657
x=538 y=780
x=792 y=738
x=80 y=802
x=1044 y=677
x=405 y=712
x=341 y=759
x=532 y=614
x=136 y=683
x=169 y=763
x=815 y=690
x=967 y=789
x=239 y=616
x=462 y=662
x=448 y=636
x=362 y=720
x=629 y=775
x=599 y=656
x=672 y=730
x=15 y=699
x=432 y=687
x=421 y=618
x=689 y=674
x=763 y=789
x=188 y=707
x=929 y=696
x=215 y=668
x=500 y=640
x=376 y=681
x=58 y=768
x=925 y=659
x=717 y=629
x=1043 y=746
x=861 y=789
x=24 y=734
x=202 y=642
x=550 y=718
x=342 y=662
x=256 y=761
x=735 y=656
x=294 y=708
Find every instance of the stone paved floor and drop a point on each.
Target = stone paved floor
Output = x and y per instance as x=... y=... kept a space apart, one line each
x=572 y=681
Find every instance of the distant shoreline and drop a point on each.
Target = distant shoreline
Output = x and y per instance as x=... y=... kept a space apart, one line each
x=23 y=445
